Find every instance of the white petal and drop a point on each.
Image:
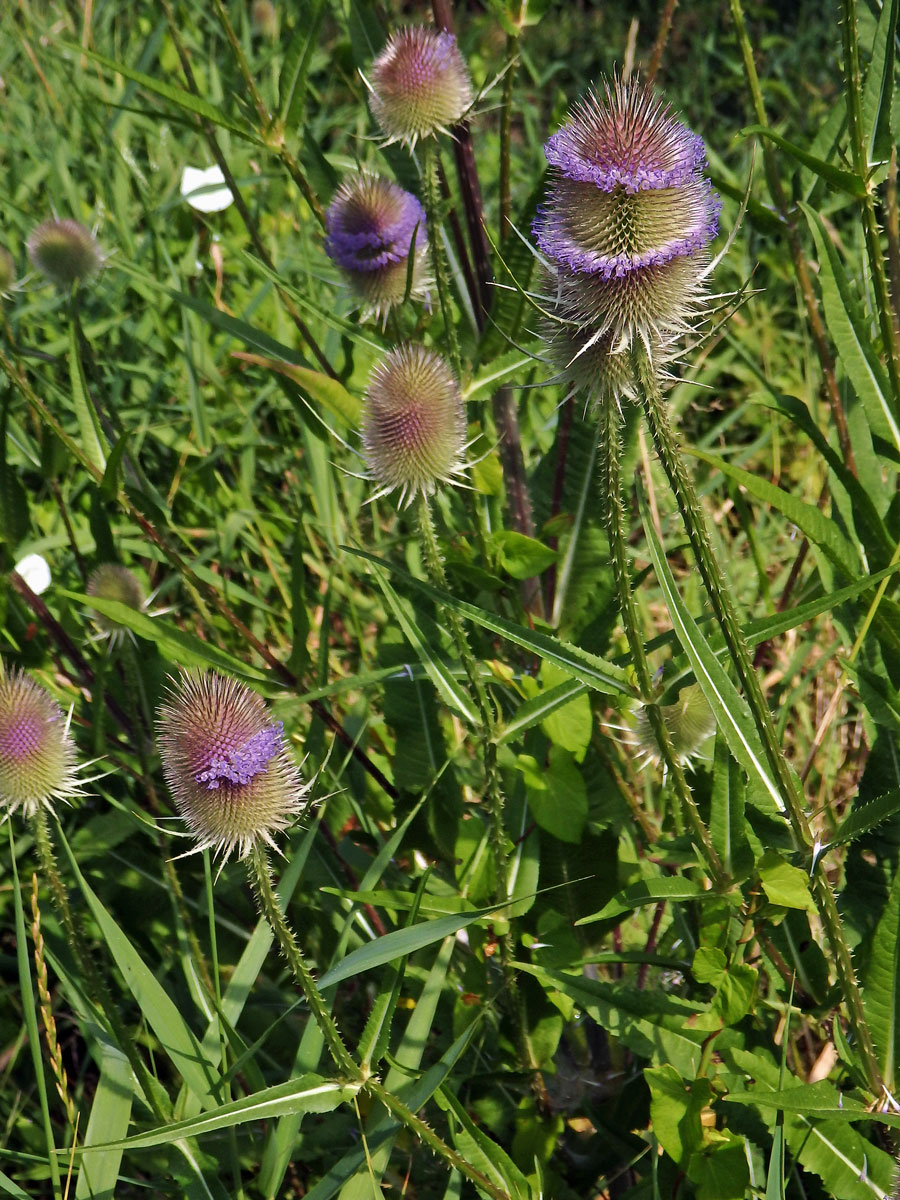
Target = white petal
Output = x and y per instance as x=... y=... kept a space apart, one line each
x=34 y=570
x=202 y=191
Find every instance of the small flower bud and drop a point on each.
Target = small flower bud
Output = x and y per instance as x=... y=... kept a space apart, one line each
x=420 y=85
x=414 y=424
x=7 y=271
x=264 y=19
x=110 y=581
x=373 y=226
x=230 y=775
x=65 y=252
x=37 y=755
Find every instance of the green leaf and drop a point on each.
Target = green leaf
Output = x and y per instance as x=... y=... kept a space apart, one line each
x=12 y=1189
x=783 y=884
x=727 y=824
x=181 y=649
x=645 y=891
x=92 y=440
x=175 y=1037
x=556 y=793
x=867 y=817
x=881 y=987
x=852 y=338
x=292 y=80
x=878 y=90
x=570 y=725
x=482 y=1151
x=675 y=1108
x=308 y=1093
x=110 y=1115
x=544 y=709
x=820 y=529
x=589 y=668
x=523 y=557
x=842 y=181
x=728 y=707
x=186 y=101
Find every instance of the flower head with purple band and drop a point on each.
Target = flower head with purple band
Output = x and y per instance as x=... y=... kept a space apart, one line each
x=37 y=754
x=372 y=227
x=626 y=224
x=419 y=84
x=226 y=763
x=414 y=423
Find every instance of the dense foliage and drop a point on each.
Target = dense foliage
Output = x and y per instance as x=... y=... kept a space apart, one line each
x=398 y=792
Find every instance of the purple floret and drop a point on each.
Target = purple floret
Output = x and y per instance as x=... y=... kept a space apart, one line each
x=355 y=248
x=566 y=151
x=242 y=764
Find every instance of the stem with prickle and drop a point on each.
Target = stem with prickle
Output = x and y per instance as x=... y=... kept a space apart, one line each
x=692 y=515
x=611 y=496
x=93 y=980
x=432 y=197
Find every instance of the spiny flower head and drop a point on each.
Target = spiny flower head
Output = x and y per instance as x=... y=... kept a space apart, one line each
x=110 y=581
x=414 y=424
x=419 y=84
x=689 y=722
x=7 y=271
x=628 y=218
x=373 y=226
x=37 y=755
x=65 y=251
x=226 y=763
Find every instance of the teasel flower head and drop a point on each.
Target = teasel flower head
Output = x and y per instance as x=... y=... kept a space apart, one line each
x=414 y=423
x=110 y=581
x=226 y=764
x=38 y=764
x=420 y=85
x=689 y=722
x=7 y=272
x=373 y=227
x=627 y=219
x=65 y=252
x=264 y=19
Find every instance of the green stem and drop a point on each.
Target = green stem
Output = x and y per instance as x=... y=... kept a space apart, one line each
x=611 y=488
x=91 y=977
x=695 y=525
x=261 y=881
x=432 y=197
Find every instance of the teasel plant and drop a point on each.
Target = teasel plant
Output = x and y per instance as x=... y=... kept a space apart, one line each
x=625 y=231
x=237 y=787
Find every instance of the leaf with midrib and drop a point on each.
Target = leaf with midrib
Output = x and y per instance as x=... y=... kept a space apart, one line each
x=881 y=987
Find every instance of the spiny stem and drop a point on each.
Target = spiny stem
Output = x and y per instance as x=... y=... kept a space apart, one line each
x=432 y=194
x=94 y=983
x=261 y=881
x=612 y=499
x=695 y=525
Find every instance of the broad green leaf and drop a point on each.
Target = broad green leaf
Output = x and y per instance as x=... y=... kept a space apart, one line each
x=729 y=708
x=675 y=1108
x=589 y=668
x=308 y=1093
x=645 y=891
x=175 y=1037
x=556 y=793
x=820 y=529
x=108 y=1122
x=181 y=649
x=881 y=987
x=523 y=557
x=842 y=181
x=783 y=884
x=93 y=443
x=852 y=337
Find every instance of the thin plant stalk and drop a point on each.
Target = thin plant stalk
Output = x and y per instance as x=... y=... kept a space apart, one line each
x=668 y=450
x=612 y=499
x=260 y=876
x=432 y=198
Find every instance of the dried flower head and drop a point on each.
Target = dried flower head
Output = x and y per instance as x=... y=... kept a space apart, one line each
x=7 y=271
x=627 y=219
x=373 y=226
x=110 y=581
x=65 y=251
x=413 y=424
x=226 y=763
x=419 y=85
x=689 y=722
x=37 y=755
